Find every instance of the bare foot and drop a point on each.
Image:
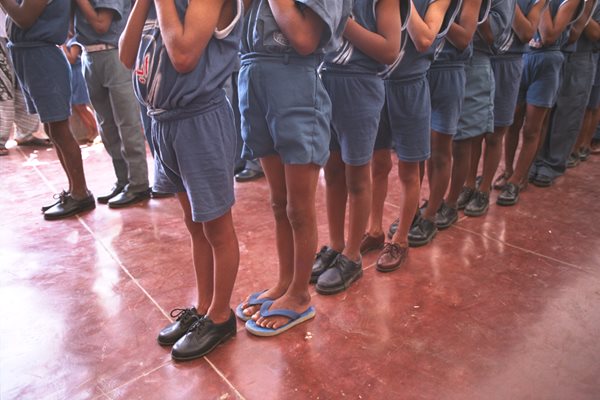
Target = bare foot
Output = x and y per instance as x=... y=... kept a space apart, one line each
x=272 y=294
x=298 y=304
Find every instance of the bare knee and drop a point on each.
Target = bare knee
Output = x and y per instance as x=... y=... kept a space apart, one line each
x=382 y=165
x=219 y=232
x=299 y=215
x=279 y=207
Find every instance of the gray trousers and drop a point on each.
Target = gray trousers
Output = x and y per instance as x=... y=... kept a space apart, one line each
x=566 y=118
x=118 y=114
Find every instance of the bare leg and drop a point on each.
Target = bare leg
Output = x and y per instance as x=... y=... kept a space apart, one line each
x=337 y=195
x=60 y=134
x=491 y=159
x=461 y=156
x=531 y=137
x=61 y=158
x=202 y=257
x=476 y=144
x=438 y=172
x=381 y=167
x=301 y=182
x=358 y=182
x=511 y=142
x=408 y=173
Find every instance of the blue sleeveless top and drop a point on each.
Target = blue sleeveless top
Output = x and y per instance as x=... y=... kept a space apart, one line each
x=262 y=36
x=50 y=28
x=536 y=43
x=161 y=88
x=500 y=17
x=348 y=58
x=516 y=46
x=584 y=44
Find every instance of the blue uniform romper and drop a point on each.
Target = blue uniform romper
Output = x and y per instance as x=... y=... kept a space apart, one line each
x=284 y=106
x=405 y=119
x=542 y=66
x=447 y=80
x=508 y=68
x=41 y=67
x=193 y=129
x=477 y=117
x=356 y=91
x=579 y=70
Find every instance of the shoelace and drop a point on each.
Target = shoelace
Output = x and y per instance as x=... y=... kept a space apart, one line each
x=61 y=197
x=391 y=248
x=197 y=326
x=181 y=313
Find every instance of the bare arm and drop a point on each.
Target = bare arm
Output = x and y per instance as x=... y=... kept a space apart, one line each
x=525 y=26
x=129 y=42
x=485 y=30
x=592 y=31
x=100 y=19
x=302 y=28
x=424 y=31
x=551 y=29
x=383 y=45
x=185 y=42
x=461 y=32
x=580 y=24
x=26 y=13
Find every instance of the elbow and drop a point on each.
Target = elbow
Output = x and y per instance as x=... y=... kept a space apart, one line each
x=126 y=60
x=305 y=48
x=389 y=58
x=101 y=28
x=184 y=63
x=423 y=44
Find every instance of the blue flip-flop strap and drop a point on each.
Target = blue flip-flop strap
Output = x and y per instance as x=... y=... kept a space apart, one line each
x=265 y=312
x=255 y=301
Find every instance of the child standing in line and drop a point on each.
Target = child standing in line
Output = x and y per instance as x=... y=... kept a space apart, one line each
x=405 y=120
x=357 y=95
x=186 y=52
x=286 y=114
x=446 y=79
x=35 y=30
x=540 y=82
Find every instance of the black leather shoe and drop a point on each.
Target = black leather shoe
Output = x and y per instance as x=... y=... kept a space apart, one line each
x=340 y=276
x=509 y=196
x=202 y=338
x=478 y=205
x=421 y=233
x=542 y=181
x=160 y=195
x=175 y=331
x=127 y=198
x=58 y=198
x=446 y=216
x=68 y=207
x=113 y=192
x=323 y=260
x=464 y=197
x=248 y=175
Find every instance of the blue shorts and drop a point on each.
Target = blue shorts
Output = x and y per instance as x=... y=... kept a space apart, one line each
x=477 y=115
x=356 y=100
x=409 y=118
x=285 y=110
x=447 y=88
x=46 y=85
x=79 y=88
x=507 y=77
x=194 y=153
x=541 y=78
x=594 y=101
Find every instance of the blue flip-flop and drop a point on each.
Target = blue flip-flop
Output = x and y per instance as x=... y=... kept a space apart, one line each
x=295 y=319
x=253 y=300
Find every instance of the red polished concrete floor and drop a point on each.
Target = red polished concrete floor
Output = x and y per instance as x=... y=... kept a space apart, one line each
x=501 y=307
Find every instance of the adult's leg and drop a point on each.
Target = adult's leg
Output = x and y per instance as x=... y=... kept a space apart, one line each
x=301 y=183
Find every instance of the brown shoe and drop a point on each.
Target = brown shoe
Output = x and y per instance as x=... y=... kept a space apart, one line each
x=391 y=257
x=370 y=243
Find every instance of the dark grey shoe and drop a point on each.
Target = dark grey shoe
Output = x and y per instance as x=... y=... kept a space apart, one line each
x=185 y=318
x=509 y=196
x=446 y=216
x=68 y=206
x=542 y=180
x=464 y=197
x=323 y=260
x=340 y=276
x=478 y=205
x=584 y=153
x=573 y=160
x=203 y=336
x=421 y=233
